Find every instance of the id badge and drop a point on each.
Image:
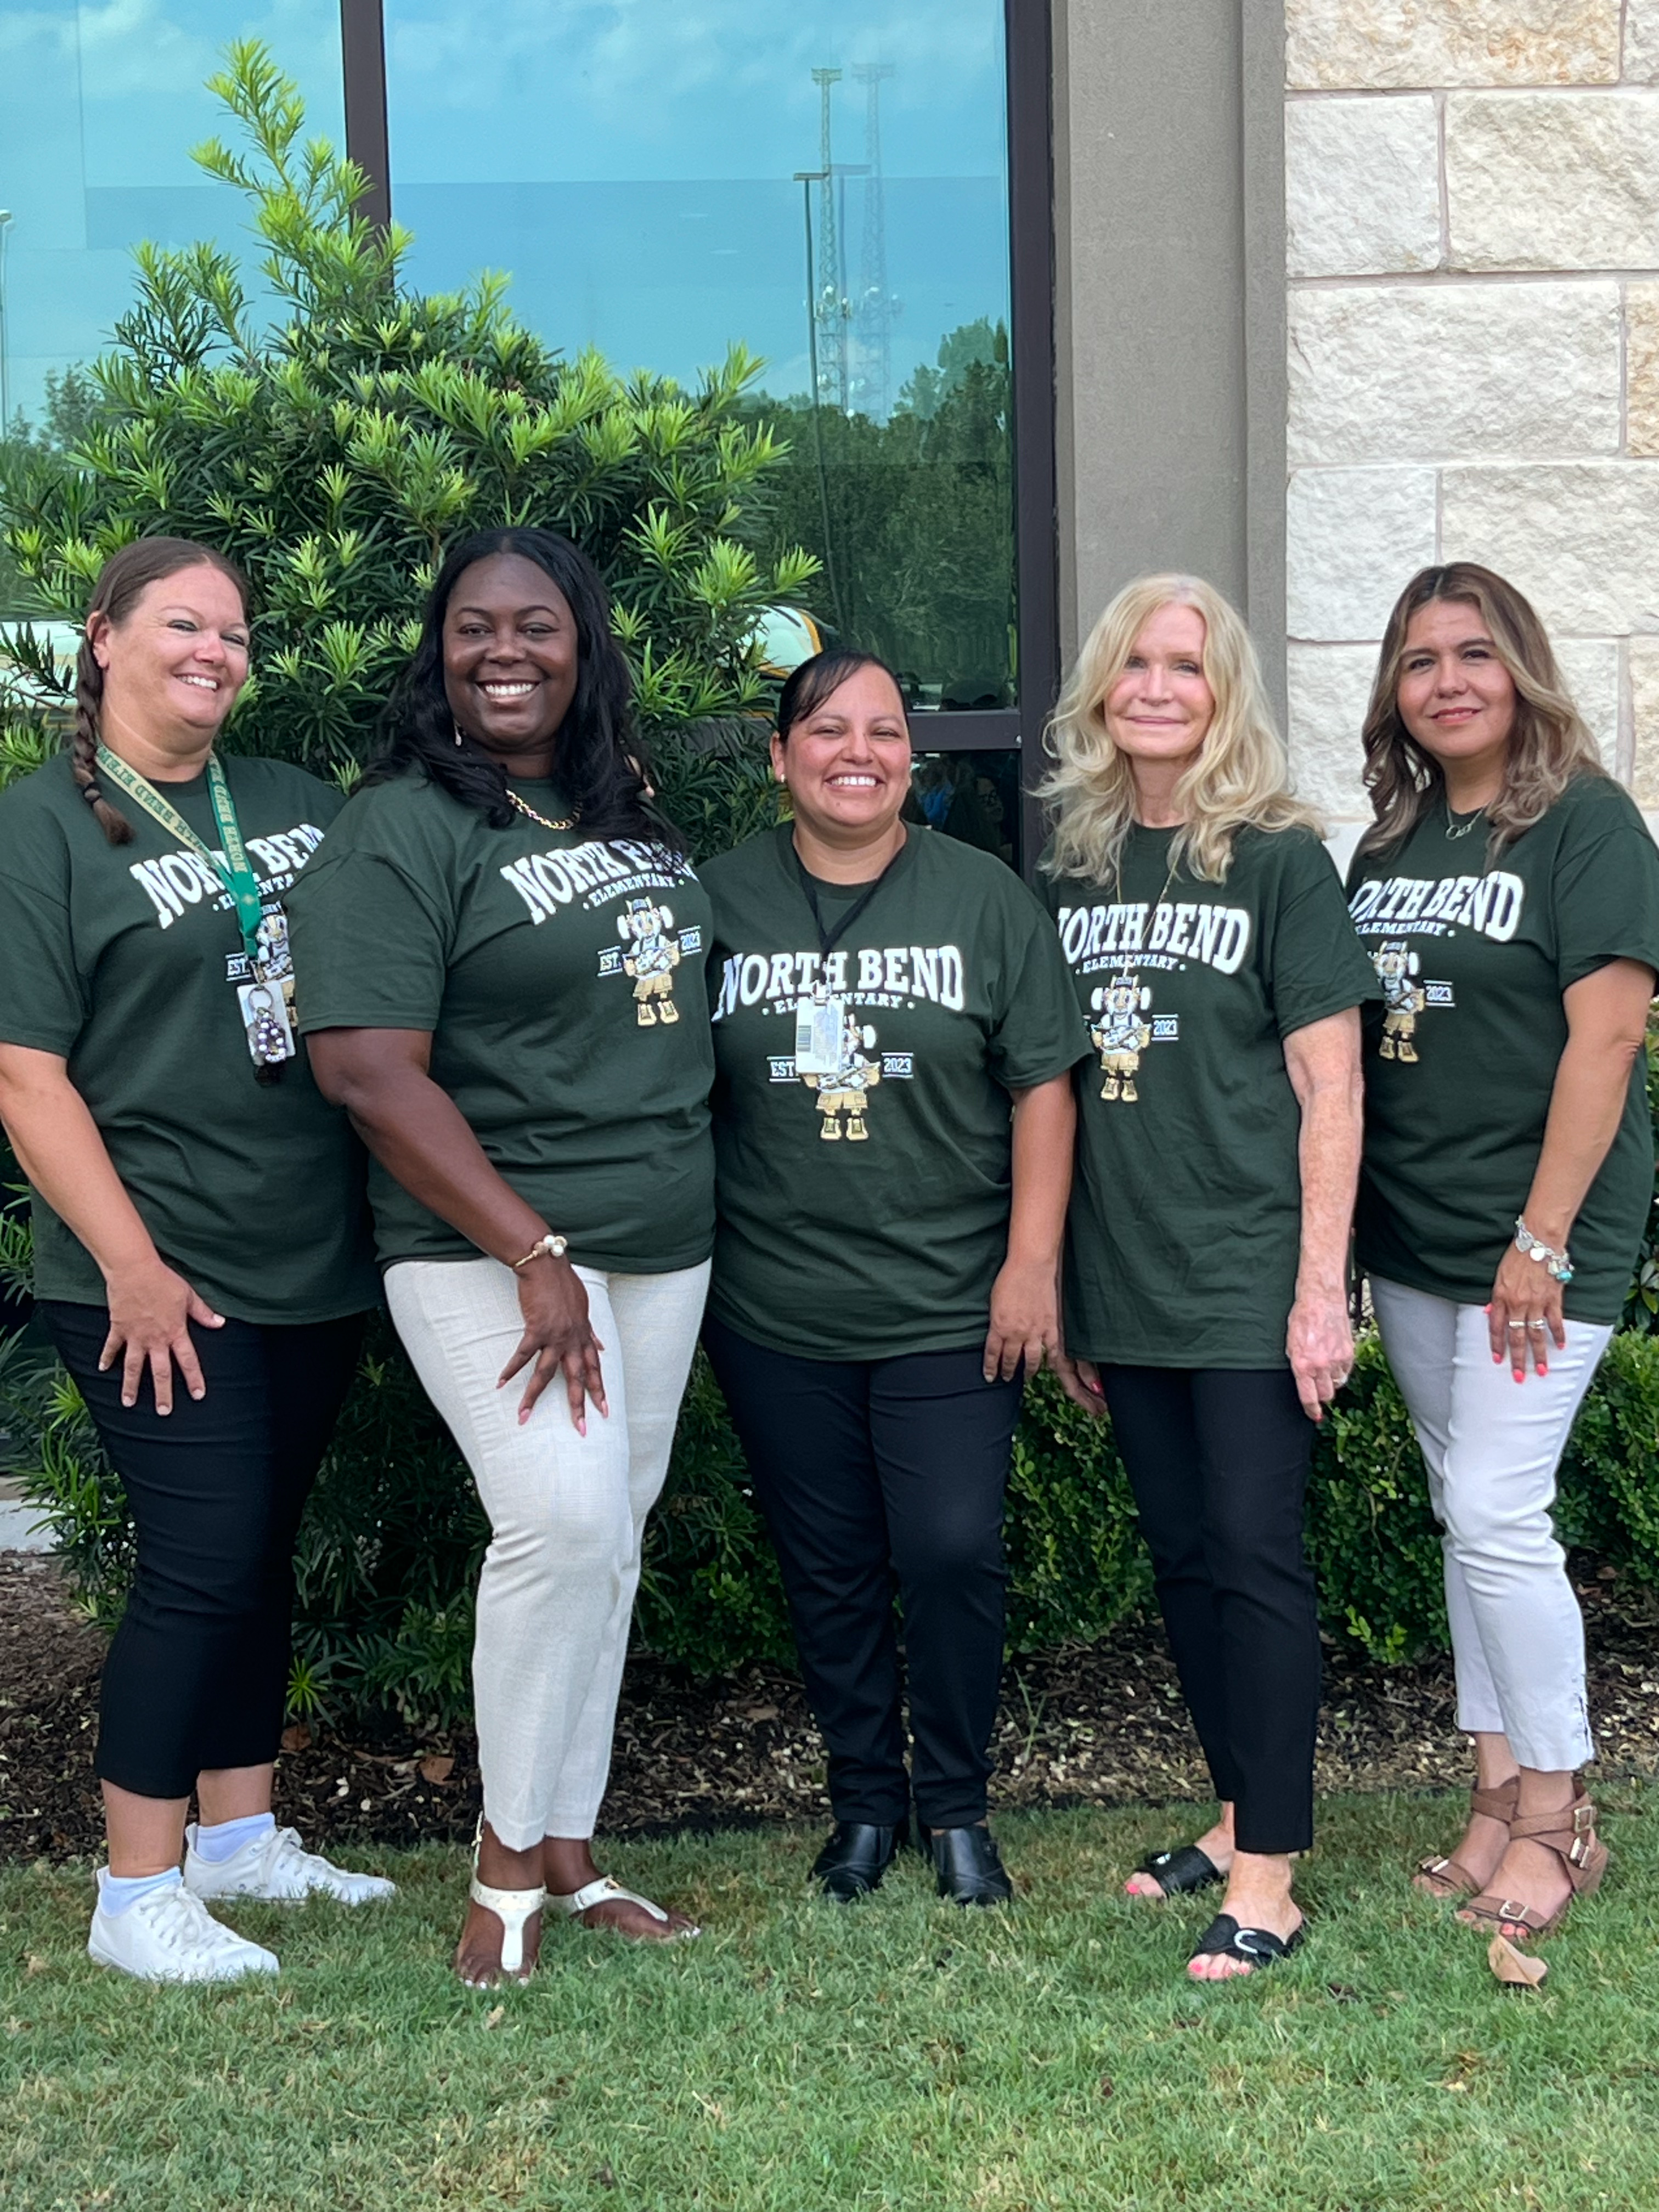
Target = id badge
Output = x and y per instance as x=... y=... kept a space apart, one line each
x=818 y=1034
x=266 y=1024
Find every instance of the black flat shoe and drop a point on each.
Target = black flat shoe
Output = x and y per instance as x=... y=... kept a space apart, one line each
x=1255 y=1947
x=967 y=1863
x=856 y=1856
x=1177 y=1871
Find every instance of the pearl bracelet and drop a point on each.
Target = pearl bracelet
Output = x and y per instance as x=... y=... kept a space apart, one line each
x=1558 y=1264
x=544 y=1248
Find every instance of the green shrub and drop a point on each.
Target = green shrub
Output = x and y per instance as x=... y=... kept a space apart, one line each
x=336 y=456
x=389 y=1553
x=1370 y=1530
x=1642 y=1305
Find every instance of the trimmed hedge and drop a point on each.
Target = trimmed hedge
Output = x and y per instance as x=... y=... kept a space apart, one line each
x=389 y=1550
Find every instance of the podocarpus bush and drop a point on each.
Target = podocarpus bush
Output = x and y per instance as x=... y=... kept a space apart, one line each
x=334 y=455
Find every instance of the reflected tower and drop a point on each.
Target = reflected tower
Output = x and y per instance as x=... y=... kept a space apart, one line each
x=876 y=307
x=830 y=306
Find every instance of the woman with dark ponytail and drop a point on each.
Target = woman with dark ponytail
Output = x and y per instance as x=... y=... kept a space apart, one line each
x=190 y=1212
x=501 y=961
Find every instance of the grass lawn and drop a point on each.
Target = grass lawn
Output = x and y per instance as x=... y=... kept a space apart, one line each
x=902 y=2054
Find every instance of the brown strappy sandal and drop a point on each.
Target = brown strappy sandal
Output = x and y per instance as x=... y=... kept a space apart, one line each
x=1570 y=1834
x=1449 y=1879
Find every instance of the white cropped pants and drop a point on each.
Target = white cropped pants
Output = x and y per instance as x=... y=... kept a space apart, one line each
x=1492 y=1446
x=566 y=1517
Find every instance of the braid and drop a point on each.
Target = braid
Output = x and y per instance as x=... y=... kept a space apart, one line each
x=84 y=746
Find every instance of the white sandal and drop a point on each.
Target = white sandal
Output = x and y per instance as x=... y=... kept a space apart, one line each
x=514 y=1908
x=602 y=1892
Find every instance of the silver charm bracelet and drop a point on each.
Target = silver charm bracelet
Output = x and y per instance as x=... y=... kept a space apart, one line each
x=1558 y=1264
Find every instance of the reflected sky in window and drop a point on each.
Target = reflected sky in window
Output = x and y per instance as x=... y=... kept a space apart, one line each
x=632 y=164
x=100 y=106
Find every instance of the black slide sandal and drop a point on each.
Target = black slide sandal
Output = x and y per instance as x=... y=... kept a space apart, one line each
x=1255 y=1947
x=1177 y=1871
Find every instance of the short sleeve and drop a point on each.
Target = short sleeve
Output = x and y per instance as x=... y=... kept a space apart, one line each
x=1604 y=892
x=43 y=1005
x=1036 y=1034
x=1317 y=966
x=370 y=951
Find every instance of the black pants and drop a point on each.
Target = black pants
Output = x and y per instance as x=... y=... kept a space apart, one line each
x=196 y=1675
x=866 y=1471
x=1217 y=1460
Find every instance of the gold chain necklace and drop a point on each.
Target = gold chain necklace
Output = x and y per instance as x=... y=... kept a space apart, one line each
x=530 y=812
x=1117 y=865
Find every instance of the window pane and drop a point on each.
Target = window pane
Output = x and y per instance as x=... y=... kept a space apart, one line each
x=634 y=166
x=100 y=106
x=973 y=796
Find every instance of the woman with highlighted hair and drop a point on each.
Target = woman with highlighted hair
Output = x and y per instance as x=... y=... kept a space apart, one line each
x=1509 y=893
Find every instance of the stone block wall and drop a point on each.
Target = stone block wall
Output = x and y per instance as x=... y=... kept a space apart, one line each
x=1472 y=204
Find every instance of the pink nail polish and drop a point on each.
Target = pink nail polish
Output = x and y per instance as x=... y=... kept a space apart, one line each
x=1520 y=1375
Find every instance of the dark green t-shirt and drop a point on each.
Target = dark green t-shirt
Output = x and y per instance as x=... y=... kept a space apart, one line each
x=561 y=978
x=863 y=1207
x=1185 y=1219
x=1461 y=1059
x=124 y=959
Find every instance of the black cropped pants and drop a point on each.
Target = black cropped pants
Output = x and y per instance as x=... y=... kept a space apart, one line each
x=1217 y=1460
x=196 y=1674
x=872 y=1474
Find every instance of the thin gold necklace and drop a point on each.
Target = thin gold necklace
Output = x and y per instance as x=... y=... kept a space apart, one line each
x=1117 y=865
x=513 y=799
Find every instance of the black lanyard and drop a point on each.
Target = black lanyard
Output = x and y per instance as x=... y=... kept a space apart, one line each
x=830 y=938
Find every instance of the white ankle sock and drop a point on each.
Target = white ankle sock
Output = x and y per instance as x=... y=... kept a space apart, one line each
x=120 y=1891
x=216 y=1844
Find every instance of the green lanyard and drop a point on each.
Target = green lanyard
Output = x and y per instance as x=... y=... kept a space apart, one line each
x=234 y=872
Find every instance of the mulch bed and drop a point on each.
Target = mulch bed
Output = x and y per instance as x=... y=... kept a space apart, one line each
x=1100 y=1724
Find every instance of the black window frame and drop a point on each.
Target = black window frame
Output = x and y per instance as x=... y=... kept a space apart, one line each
x=1030 y=47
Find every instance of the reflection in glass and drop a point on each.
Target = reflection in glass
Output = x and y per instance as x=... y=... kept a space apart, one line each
x=826 y=184
x=100 y=106
x=973 y=797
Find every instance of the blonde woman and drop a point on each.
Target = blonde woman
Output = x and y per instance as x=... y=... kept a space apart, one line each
x=1218 y=1141
x=1509 y=893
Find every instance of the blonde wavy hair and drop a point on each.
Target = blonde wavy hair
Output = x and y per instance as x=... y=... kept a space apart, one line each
x=1549 y=743
x=1240 y=780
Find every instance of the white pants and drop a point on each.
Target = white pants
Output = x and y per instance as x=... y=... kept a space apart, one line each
x=1492 y=1446
x=566 y=1517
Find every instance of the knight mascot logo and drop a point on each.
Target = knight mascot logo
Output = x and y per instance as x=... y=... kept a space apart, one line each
x=1403 y=1000
x=650 y=956
x=1121 y=1034
x=843 y=1093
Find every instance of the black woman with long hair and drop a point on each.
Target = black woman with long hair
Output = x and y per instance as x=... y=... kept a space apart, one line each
x=201 y=1262
x=500 y=965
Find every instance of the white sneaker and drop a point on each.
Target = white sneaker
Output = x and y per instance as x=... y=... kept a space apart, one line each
x=170 y=1936
x=274 y=1867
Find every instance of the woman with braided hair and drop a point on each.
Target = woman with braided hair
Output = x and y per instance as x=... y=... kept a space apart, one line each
x=197 y=1206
